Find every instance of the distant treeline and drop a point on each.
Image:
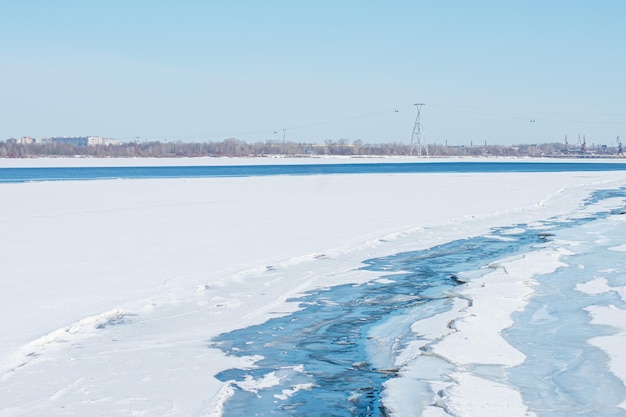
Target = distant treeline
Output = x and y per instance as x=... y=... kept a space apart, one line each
x=236 y=147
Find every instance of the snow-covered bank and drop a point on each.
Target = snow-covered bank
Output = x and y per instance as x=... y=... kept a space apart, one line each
x=45 y=162
x=180 y=261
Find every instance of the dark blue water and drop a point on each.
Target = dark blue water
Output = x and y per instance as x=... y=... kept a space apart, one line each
x=328 y=335
x=93 y=173
x=323 y=346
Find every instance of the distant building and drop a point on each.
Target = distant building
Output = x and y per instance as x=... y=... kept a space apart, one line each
x=71 y=140
x=110 y=142
x=26 y=140
x=84 y=140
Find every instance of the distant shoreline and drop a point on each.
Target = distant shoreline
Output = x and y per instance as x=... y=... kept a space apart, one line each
x=269 y=160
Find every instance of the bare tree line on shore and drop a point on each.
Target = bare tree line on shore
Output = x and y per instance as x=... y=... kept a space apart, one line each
x=237 y=148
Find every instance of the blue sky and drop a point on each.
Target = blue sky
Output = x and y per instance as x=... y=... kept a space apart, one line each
x=210 y=70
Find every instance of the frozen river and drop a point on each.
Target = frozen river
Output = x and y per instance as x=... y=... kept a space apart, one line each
x=378 y=293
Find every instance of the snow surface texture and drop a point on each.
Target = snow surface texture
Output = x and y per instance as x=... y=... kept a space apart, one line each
x=111 y=290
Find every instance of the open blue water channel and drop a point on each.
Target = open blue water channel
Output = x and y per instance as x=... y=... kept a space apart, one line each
x=318 y=358
x=19 y=175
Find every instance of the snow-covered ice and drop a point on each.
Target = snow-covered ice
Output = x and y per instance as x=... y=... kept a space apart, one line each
x=112 y=290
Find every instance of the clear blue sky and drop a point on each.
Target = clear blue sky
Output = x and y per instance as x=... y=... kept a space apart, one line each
x=210 y=70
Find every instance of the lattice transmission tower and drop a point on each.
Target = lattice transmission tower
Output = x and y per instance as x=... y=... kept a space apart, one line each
x=417 y=138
